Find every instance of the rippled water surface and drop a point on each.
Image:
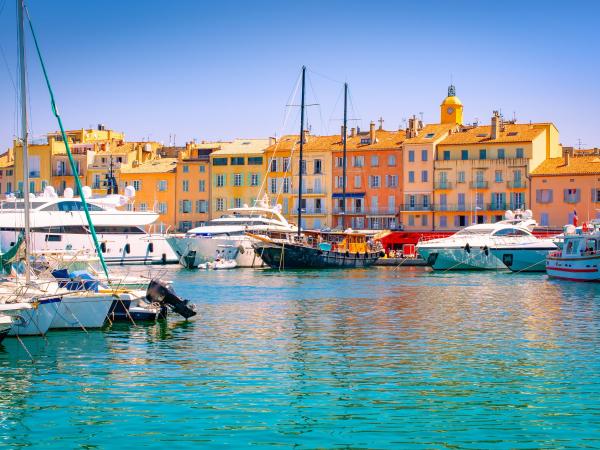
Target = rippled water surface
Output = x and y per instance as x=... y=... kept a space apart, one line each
x=371 y=358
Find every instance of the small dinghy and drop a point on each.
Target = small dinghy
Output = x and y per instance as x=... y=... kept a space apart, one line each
x=219 y=264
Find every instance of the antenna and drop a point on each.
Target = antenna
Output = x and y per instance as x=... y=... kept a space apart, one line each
x=579 y=143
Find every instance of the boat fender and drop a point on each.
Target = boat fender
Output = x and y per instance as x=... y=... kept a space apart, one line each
x=486 y=250
x=467 y=248
x=241 y=249
x=381 y=254
x=347 y=254
x=357 y=255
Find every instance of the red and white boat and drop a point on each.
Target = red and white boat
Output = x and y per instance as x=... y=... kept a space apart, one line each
x=579 y=258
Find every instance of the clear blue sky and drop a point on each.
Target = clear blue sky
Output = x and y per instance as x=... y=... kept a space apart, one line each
x=224 y=69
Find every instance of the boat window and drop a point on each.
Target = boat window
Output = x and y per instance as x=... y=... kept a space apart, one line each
x=20 y=205
x=70 y=205
x=475 y=231
x=511 y=232
x=569 y=248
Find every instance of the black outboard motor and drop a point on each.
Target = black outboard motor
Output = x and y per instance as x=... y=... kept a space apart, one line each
x=161 y=292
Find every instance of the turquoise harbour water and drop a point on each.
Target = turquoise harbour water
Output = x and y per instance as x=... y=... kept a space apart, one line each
x=371 y=358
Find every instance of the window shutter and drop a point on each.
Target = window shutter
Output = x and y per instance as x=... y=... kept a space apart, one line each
x=577 y=195
x=565 y=195
x=456 y=221
x=550 y=193
x=539 y=196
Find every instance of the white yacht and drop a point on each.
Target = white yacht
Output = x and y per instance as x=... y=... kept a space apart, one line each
x=226 y=238
x=59 y=223
x=470 y=248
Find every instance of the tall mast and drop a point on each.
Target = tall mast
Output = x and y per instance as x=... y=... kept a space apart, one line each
x=344 y=157
x=24 y=128
x=301 y=152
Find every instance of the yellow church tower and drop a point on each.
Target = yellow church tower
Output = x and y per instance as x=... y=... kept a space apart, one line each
x=452 y=108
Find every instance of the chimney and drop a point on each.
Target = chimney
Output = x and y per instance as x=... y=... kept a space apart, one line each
x=372 y=132
x=352 y=132
x=11 y=154
x=495 y=125
x=413 y=127
x=272 y=140
x=567 y=153
x=305 y=137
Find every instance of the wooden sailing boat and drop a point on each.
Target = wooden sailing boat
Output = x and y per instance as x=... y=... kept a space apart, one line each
x=313 y=249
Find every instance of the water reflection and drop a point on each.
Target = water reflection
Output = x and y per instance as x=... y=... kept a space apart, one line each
x=366 y=358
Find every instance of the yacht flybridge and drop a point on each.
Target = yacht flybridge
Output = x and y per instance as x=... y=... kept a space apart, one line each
x=226 y=238
x=59 y=223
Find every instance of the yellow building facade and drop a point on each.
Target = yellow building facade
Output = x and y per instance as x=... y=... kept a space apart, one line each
x=193 y=186
x=155 y=183
x=278 y=174
x=237 y=171
x=7 y=173
x=481 y=171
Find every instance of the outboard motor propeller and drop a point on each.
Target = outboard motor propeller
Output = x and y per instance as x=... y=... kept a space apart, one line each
x=162 y=293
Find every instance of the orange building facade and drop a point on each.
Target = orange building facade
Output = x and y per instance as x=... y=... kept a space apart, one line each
x=567 y=186
x=373 y=179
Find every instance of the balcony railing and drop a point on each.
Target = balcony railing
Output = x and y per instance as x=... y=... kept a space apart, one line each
x=311 y=191
x=517 y=184
x=416 y=207
x=352 y=210
x=34 y=173
x=451 y=207
x=442 y=185
x=478 y=184
x=314 y=211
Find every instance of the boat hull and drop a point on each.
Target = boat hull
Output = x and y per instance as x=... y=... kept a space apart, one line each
x=119 y=248
x=459 y=259
x=6 y=323
x=574 y=269
x=82 y=311
x=292 y=256
x=35 y=321
x=523 y=260
x=193 y=251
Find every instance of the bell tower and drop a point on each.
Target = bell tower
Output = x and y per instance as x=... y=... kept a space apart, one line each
x=451 y=108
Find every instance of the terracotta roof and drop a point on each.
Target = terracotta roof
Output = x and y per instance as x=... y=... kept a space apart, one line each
x=430 y=133
x=242 y=147
x=578 y=165
x=5 y=162
x=161 y=165
x=284 y=143
x=481 y=134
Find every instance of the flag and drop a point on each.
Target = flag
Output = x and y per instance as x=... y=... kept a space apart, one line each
x=575 y=218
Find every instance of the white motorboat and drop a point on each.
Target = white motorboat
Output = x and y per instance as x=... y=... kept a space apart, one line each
x=225 y=237
x=469 y=248
x=579 y=258
x=32 y=317
x=59 y=223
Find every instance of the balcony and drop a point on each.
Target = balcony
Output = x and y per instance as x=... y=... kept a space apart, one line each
x=496 y=206
x=314 y=211
x=451 y=207
x=349 y=211
x=478 y=184
x=416 y=207
x=441 y=185
x=311 y=191
x=517 y=184
x=375 y=211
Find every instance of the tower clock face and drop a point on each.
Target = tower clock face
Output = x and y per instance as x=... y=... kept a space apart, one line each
x=450 y=110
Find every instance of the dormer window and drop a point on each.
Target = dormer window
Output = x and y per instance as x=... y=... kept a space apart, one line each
x=429 y=135
x=513 y=133
x=365 y=141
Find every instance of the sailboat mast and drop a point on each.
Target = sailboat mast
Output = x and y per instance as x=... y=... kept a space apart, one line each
x=301 y=152
x=344 y=156
x=24 y=128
